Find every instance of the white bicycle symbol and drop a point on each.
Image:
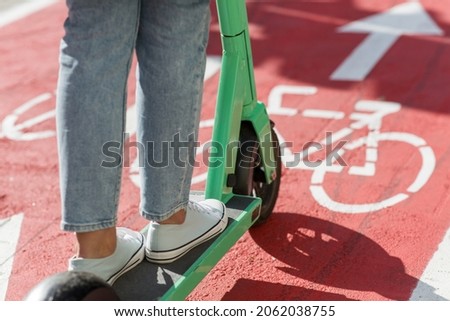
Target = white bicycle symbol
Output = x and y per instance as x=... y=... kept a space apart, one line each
x=10 y=128
x=367 y=114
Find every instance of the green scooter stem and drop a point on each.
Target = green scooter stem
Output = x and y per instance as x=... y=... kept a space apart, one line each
x=236 y=102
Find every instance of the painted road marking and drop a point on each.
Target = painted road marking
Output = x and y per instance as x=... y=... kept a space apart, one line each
x=368 y=114
x=384 y=29
x=22 y=10
x=325 y=114
x=425 y=172
x=274 y=103
x=436 y=275
x=11 y=130
x=9 y=237
x=213 y=64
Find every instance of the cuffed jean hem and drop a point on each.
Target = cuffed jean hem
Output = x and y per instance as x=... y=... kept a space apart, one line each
x=157 y=217
x=80 y=228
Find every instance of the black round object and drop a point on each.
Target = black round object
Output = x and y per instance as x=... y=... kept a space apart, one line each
x=72 y=286
x=250 y=176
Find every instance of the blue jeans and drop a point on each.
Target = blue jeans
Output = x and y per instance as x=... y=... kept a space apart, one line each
x=169 y=38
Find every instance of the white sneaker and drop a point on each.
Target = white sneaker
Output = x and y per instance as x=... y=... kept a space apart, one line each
x=167 y=242
x=128 y=254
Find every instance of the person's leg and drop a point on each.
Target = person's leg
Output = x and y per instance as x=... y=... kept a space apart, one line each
x=95 y=59
x=171 y=51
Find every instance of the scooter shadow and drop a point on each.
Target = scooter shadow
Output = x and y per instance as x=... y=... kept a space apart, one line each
x=330 y=254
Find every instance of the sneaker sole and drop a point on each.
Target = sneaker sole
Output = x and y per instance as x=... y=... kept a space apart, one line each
x=137 y=258
x=165 y=257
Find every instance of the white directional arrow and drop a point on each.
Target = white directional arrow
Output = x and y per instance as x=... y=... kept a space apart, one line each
x=9 y=236
x=384 y=29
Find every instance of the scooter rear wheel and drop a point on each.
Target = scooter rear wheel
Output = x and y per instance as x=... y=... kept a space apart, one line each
x=250 y=176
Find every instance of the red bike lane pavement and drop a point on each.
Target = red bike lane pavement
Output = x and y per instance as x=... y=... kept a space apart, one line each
x=363 y=231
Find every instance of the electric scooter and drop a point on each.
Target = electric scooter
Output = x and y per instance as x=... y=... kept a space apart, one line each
x=244 y=169
x=244 y=172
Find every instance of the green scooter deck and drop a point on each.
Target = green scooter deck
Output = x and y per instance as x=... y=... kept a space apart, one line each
x=174 y=281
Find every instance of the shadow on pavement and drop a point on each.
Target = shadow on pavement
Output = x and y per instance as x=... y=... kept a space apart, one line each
x=326 y=253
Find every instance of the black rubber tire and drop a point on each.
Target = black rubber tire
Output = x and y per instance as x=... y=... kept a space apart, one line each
x=250 y=177
x=72 y=286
